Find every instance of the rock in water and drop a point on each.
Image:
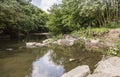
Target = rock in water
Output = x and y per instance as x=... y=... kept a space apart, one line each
x=9 y=49
x=80 y=71
x=31 y=44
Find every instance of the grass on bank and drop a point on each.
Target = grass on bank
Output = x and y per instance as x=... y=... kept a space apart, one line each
x=89 y=32
x=94 y=33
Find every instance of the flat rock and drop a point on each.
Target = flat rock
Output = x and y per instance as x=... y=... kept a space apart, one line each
x=109 y=66
x=99 y=75
x=34 y=45
x=80 y=71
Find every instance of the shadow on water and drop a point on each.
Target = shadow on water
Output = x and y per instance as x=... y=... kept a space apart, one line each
x=42 y=62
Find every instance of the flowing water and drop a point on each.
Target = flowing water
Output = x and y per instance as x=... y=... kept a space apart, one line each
x=18 y=61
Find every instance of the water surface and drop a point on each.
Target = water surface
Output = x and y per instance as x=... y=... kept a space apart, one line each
x=18 y=61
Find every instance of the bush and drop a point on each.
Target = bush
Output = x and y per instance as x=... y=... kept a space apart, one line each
x=115 y=50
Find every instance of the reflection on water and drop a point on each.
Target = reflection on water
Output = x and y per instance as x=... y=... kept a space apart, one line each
x=42 y=62
x=45 y=67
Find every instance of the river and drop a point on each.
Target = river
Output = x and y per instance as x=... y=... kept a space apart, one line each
x=18 y=61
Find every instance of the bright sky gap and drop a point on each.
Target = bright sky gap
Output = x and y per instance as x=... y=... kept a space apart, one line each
x=45 y=4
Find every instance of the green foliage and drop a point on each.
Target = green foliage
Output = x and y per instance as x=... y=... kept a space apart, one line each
x=55 y=21
x=72 y=15
x=90 y=32
x=100 y=30
x=115 y=50
x=59 y=36
x=20 y=15
x=113 y=25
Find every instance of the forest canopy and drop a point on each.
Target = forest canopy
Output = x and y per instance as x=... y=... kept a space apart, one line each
x=72 y=15
x=20 y=16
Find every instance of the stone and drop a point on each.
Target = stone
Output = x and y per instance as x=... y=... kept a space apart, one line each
x=109 y=66
x=65 y=42
x=47 y=41
x=31 y=44
x=80 y=71
x=113 y=35
x=99 y=75
x=39 y=44
x=71 y=59
x=95 y=41
x=9 y=49
x=34 y=44
x=95 y=44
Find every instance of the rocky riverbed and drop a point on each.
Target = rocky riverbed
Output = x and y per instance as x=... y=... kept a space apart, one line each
x=107 y=40
x=107 y=67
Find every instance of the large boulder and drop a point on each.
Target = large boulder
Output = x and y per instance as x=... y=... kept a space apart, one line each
x=80 y=71
x=99 y=75
x=109 y=66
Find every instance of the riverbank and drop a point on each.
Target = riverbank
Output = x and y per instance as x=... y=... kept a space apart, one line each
x=66 y=57
x=107 y=42
x=69 y=56
x=96 y=40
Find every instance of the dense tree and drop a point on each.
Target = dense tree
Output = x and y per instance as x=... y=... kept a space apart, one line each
x=73 y=14
x=20 y=16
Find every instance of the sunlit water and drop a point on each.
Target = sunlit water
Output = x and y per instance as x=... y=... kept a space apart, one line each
x=42 y=62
